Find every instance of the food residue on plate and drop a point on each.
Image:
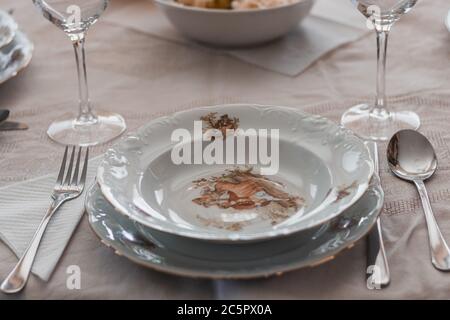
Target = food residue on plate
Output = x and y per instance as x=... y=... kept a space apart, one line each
x=235 y=4
x=241 y=189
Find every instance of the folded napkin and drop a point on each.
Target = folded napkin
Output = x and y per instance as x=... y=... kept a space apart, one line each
x=24 y=204
x=331 y=24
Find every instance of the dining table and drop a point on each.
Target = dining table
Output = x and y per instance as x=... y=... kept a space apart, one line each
x=142 y=76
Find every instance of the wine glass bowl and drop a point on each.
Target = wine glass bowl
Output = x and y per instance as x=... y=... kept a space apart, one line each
x=90 y=127
x=63 y=13
x=384 y=10
x=374 y=121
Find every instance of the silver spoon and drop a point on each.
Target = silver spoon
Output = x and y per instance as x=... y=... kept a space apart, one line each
x=411 y=157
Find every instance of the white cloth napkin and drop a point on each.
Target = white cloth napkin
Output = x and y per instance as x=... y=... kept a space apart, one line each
x=23 y=205
x=331 y=24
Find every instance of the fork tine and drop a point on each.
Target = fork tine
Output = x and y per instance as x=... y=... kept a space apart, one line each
x=77 y=168
x=69 y=170
x=63 y=167
x=85 y=166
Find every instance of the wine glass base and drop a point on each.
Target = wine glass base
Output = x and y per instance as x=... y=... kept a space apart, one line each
x=69 y=131
x=371 y=124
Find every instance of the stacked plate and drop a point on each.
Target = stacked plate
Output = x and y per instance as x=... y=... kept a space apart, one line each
x=15 y=48
x=235 y=191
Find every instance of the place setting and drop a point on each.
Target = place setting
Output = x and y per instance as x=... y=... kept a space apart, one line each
x=16 y=51
x=222 y=192
x=15 y=48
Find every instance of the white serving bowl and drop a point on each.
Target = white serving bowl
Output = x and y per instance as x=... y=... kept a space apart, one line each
x=235 y=28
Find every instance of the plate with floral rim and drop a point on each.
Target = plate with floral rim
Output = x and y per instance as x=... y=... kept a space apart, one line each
x=8 y=28
x=15 y=56
x=235 y=173
x=196 y=258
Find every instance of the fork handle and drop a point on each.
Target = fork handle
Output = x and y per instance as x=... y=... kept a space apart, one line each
x=440 y=253
x=18 y=277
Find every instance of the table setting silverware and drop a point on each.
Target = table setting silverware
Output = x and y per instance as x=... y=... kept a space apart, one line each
x=4 y=114
x=411 y=157
x=376 y=121
x=6 y=125
x=377 y=263
x=69 y=185
x=13 y=126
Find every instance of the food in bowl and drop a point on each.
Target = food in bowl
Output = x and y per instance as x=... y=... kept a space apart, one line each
x=259 y=4
x=209 y=4
x=236 y=4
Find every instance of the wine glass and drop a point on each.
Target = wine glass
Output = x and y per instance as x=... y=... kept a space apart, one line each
x=75 y=17
x=375 y=121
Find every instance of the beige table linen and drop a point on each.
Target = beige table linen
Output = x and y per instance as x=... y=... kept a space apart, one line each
x=329 y=26
x=143 y=77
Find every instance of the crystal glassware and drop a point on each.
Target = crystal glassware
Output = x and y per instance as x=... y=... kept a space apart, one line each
x=90 y=127
x=375 y=121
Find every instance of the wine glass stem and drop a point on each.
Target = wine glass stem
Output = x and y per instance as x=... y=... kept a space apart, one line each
x=85 y=116
x=381 y=105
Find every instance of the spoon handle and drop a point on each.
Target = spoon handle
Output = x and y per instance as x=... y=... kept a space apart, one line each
x=440 y=253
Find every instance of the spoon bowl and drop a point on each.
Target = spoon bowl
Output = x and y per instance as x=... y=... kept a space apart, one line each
x=411 y=156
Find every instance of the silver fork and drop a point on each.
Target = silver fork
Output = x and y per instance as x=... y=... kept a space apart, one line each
x=67 y=187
